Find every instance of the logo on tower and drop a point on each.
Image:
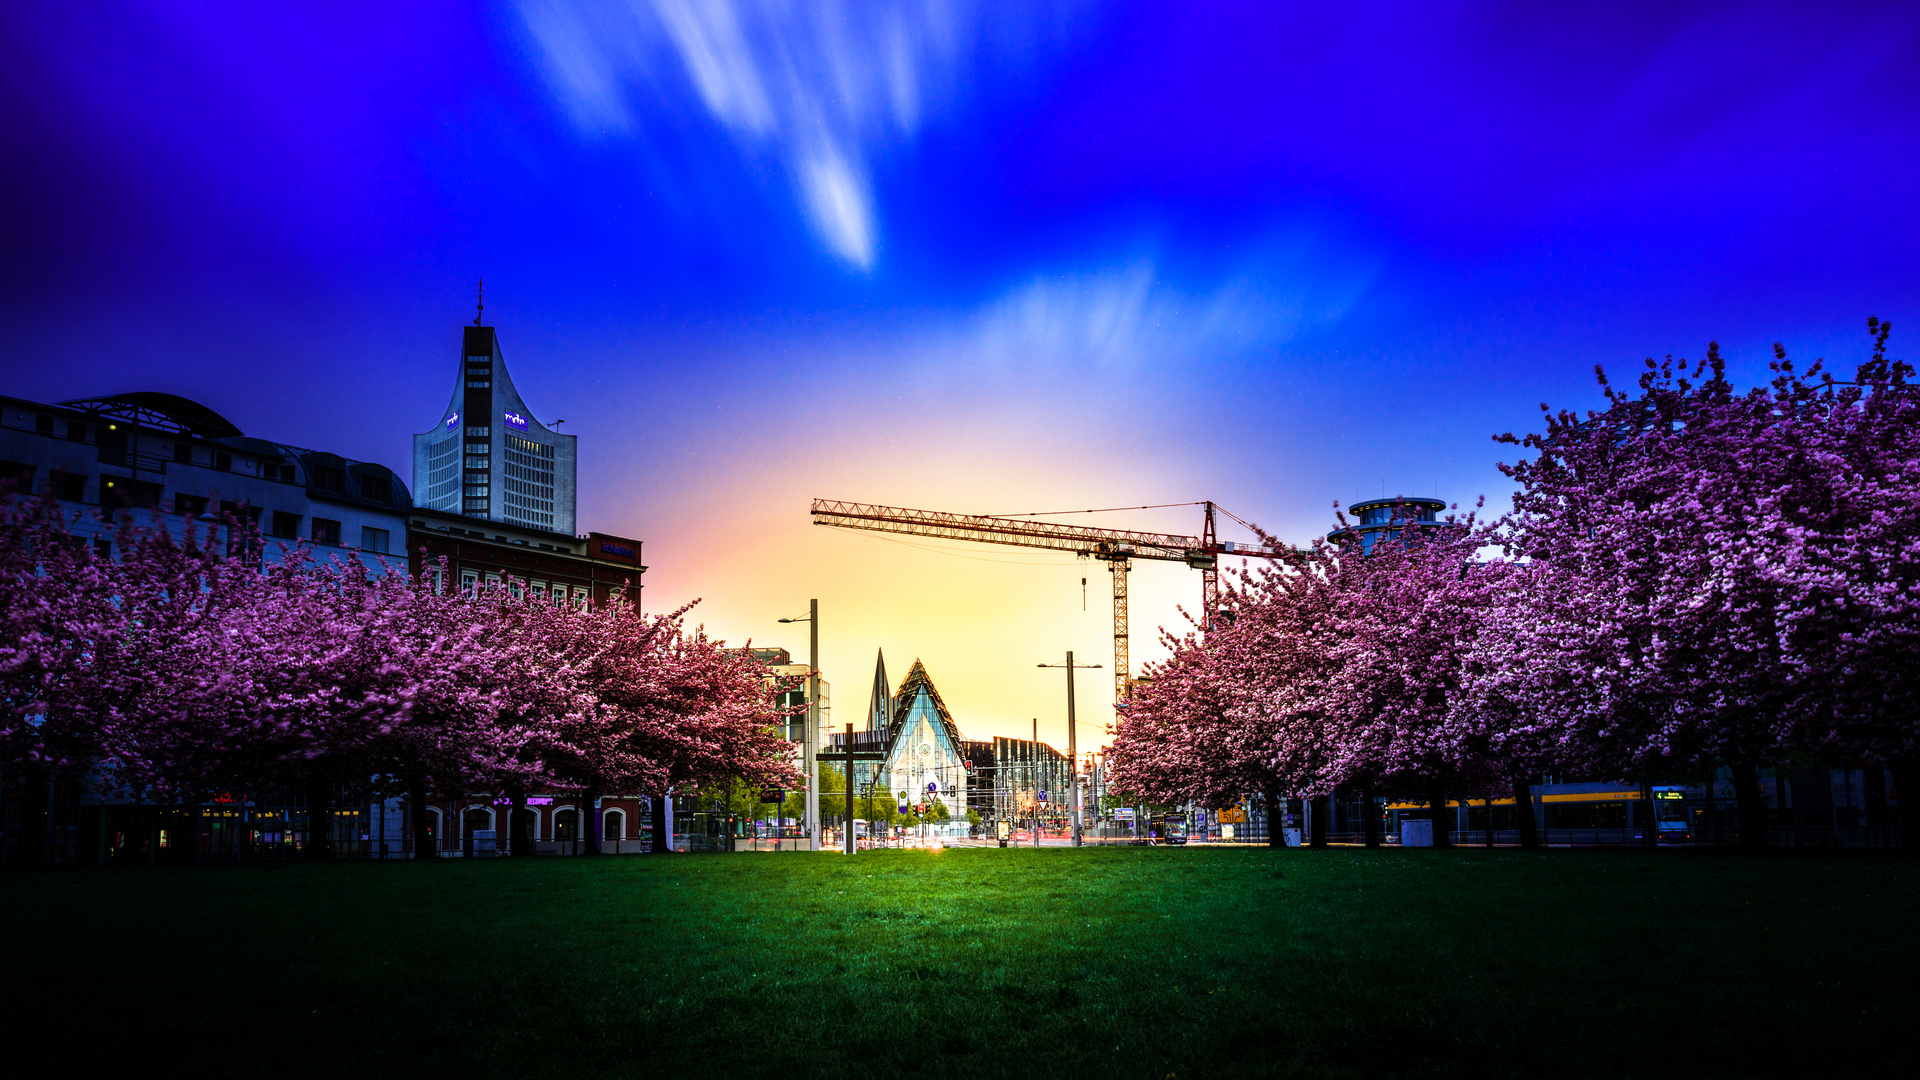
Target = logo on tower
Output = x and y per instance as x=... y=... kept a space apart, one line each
x=452 y=420
x=515 y=420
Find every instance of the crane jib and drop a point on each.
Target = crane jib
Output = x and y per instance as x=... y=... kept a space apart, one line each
x=1116 y=547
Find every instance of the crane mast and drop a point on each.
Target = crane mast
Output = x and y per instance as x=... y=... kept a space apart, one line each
x=1115 y=547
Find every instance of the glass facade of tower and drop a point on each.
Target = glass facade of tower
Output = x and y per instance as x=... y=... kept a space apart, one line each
x=488 y=458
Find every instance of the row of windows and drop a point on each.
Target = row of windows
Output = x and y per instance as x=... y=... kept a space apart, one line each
x=529 y=491
x=184 y=452
x=529 y=447
x=120 y=493
x=538 y=476
x=529 y=517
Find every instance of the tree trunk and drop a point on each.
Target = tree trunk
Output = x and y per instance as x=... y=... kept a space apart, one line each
x=1874 y=779
x=1318 y=837
x=32 y=848
x=590 y=821
x=423 y=838
x=660 y=843
x=1751 y=808
x=520 y=829
x=1905 y=776
x=1370 y=818
x=1650 y=828
x=1523 y=806
x=1276 y=825
x=319 y=819
x=1437 y=801
x=1488 y=801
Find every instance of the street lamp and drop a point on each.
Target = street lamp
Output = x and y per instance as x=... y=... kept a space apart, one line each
x=809 y=760
x=1073 y=741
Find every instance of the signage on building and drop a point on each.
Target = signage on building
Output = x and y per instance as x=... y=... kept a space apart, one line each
x=616 y=549
x=1123 y=813
x=452 y=421
x=515 y=420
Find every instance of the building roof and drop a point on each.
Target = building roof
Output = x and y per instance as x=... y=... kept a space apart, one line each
x=163 y=411
x=918 y=680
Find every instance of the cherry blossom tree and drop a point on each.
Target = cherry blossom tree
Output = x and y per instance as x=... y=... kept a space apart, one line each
x=1850 y=568
x=56 y=610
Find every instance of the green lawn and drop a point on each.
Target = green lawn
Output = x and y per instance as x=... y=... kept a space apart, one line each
x=974 y=963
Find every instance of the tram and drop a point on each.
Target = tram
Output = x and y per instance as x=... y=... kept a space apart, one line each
x=1167 y=828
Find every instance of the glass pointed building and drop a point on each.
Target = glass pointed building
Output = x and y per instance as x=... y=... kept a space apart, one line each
x=487 y=457
x=926 y=756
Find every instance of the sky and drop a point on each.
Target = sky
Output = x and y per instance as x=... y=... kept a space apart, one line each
x=989 y=258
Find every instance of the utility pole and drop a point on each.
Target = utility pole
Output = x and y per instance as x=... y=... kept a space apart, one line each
x=1033 y=777
x=849 y=783
x=809 y=751
x=1073 y=743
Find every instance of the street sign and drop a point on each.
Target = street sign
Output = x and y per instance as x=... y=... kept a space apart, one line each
x=1043 y=796
x=933 y=787
x=1235 y=816
x=1122 y=813
x=772 y=794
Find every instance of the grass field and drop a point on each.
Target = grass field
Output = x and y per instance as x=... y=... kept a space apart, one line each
x=1122 y=962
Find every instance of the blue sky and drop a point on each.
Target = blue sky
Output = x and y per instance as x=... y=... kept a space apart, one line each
x=989 y=257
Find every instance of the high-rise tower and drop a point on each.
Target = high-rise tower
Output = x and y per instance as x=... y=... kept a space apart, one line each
x=488 y=458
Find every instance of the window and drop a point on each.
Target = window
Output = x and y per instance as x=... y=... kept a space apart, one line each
x=183 y=453
x=479 y=432
x=102 y=548
x=43 y=424
x=18 y=475
x=76 y=431
x=119 y=493
x=71 y=487
x=285 y=525
x=326 y=532
x=469 y=581
x=327 y=479
x=376 y=489
x=566 y=823
x=374 y=540
x=581 y=597
x=190 y=505
x=223 y=461
x=286 y=474
x=615 y=824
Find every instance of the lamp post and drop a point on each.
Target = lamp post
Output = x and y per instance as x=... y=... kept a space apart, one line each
x=1073 y=741
x=809 y=760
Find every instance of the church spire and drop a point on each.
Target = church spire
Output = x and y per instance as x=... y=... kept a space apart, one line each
x=880 y=709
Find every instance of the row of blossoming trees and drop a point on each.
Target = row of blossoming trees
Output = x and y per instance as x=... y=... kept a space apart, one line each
x=177 y=674
x=1693 y=577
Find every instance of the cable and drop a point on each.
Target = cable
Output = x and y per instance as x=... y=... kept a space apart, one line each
x=1103 y=510
x=955 y=554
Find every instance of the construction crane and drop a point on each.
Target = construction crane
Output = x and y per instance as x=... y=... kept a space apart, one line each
x=1115 y=547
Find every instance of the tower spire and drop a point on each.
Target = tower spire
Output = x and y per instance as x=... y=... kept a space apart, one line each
x=479 y=301
x=880 y=710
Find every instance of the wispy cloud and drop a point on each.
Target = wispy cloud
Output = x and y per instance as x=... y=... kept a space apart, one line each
x=822 y=84
x=1127 y=316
